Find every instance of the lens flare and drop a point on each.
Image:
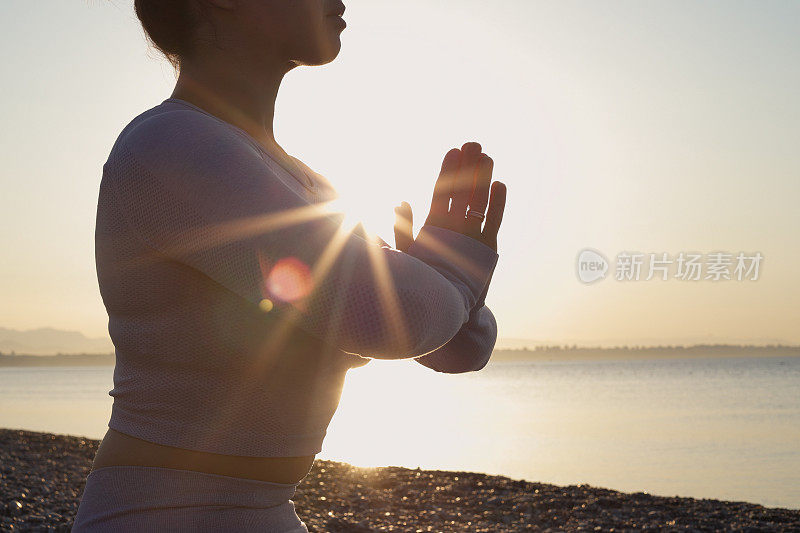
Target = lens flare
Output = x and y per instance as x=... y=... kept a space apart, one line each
x=266 y=305
x=289 y=280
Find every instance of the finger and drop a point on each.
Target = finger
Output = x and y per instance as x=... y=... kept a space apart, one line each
x=440 y=204
x=480 y=192
x=494 y=213
x=464 y=180
x=403 y=227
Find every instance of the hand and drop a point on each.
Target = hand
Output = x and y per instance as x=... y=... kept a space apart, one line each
x=403 y=227
x=465 y=179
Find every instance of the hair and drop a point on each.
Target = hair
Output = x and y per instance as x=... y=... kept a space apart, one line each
x=169 y=25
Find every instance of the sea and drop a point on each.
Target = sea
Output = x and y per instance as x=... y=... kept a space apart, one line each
x=720 y=428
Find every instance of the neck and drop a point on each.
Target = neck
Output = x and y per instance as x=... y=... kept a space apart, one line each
x=244 y=97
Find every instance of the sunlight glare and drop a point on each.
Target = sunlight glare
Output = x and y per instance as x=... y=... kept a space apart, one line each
x=356 y=216
x=347 y=209
x=388 y=411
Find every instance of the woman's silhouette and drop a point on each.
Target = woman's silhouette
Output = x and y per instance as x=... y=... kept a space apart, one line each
x=236 y=301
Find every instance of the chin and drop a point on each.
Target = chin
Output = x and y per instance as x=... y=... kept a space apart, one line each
x=323 y=56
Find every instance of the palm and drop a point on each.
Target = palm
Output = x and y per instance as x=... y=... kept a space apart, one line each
x=464 y=183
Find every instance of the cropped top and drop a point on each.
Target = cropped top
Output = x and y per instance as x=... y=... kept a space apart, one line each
x=237 y=302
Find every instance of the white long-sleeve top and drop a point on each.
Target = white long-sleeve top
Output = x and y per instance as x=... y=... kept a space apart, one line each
x=237 y=302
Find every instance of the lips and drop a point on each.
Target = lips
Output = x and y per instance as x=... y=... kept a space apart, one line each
x=338 y=21
x=337 y=10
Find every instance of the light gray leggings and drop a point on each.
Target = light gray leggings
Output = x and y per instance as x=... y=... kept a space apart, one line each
x=122 y=499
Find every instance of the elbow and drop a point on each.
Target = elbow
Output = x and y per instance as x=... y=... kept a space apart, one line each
x=472 y=365
x=454 y=365
x=481 y=364
x=459 y=358
x=470 y=351
x=483 y=344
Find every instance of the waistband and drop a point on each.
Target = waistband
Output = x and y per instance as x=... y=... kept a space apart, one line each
x=151 y=486
x=144 y=499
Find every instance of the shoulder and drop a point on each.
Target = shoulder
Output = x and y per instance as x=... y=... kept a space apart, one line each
x=172 y=140
x=182 y=156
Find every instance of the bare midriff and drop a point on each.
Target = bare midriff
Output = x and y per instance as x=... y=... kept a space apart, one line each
x=118 y=449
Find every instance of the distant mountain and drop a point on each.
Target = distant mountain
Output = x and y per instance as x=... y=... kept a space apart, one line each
x=49 y=341
x=58 y=360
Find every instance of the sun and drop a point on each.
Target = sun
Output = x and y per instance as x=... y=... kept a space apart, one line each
x=374 y=218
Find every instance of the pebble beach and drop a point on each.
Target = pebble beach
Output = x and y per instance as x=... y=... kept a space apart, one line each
x=42 y=477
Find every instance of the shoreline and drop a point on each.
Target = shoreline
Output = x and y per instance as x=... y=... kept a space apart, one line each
x=540 y=354
x=42 y=477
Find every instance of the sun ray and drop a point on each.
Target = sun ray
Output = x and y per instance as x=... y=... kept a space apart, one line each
x=203 y=238
x=321 y=269
x=388 y=296
x=219 y=234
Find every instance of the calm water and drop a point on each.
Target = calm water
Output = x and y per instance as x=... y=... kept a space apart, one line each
x=707 y=428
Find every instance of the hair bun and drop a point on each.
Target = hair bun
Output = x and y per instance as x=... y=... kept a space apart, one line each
x=169 y=26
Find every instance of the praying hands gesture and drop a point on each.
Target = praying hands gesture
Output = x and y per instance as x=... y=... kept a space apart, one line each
x=465 y=179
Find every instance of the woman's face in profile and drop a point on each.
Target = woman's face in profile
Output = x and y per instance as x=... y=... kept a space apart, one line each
x=306 y=32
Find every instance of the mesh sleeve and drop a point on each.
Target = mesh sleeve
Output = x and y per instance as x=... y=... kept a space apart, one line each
x=470 y=349
x=209 y=201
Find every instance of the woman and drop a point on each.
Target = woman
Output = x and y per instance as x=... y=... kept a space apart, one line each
x=236 y=302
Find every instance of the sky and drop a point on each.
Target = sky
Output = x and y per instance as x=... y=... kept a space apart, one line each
x=624 y=127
